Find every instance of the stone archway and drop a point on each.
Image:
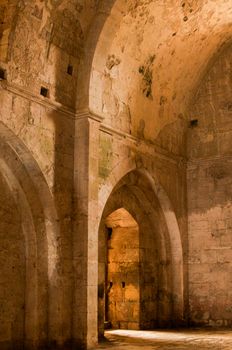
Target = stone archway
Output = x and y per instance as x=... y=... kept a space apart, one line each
x=161 y=265
x=35 y=252
x=122 y=287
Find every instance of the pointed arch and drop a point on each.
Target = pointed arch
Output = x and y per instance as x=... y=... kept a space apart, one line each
x=41 y=231
x=145 y=199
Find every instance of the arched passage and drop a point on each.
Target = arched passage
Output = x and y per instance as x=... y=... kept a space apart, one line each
x=161 y=289
x=122 y=298
x=31 y=248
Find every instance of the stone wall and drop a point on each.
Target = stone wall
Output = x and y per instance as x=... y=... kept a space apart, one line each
x=39 y=130
x=88 y=103
x=44 y=147
x=209 y=197
x=123 y=271
x=13 y=264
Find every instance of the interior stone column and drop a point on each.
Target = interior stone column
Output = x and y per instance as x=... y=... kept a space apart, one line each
x=85 y=234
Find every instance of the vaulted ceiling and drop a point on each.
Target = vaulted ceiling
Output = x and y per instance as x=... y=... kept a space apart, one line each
x=137 y=63
x=151 y=56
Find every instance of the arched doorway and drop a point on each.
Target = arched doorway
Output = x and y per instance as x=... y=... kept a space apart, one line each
x=22 y=266
x=160 y=261
x=122 y=287
x=27 y=257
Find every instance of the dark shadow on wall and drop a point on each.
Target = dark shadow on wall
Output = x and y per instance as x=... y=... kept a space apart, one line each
x=66 y=49
x=13 y=266
x=70 y=56
x=62 y=192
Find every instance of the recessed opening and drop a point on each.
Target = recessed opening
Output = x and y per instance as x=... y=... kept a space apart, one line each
x=193 y=123
x=109 y=232
x=44 y=91
x=70 y=69
x=122 y=271
x=2 y=74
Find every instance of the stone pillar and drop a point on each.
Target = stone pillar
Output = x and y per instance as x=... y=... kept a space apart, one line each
x=85 y=234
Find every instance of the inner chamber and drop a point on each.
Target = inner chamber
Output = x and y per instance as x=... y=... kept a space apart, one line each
x=122 y=286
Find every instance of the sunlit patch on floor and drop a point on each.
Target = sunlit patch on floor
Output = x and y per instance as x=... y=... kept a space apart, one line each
x=168 y=340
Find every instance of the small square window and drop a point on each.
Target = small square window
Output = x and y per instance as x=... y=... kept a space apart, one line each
x=44 y=91
x=193 y=123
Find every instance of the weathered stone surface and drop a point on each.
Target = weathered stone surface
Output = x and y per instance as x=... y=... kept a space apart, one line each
x=209 y=198
x=123 y=271
x=107 y=105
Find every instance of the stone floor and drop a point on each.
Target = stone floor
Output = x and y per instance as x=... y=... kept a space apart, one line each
x=167 y=340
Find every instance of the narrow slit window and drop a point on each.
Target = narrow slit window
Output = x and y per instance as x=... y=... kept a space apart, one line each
x=109 y=232
x=2 y=74
x=70 y=69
